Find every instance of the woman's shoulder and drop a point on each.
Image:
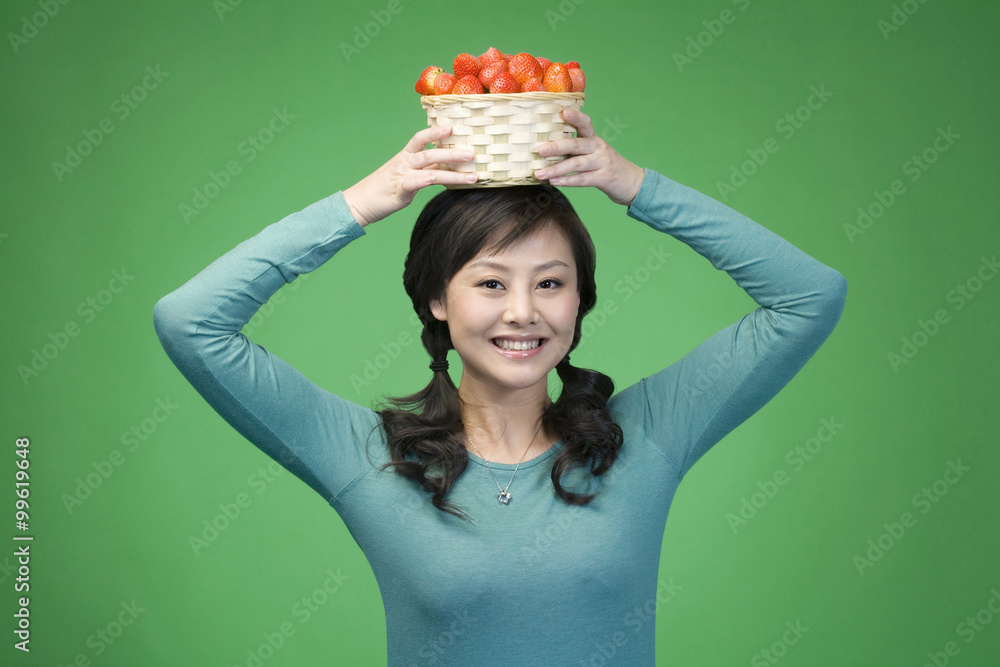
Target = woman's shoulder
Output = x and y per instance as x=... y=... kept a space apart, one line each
x=627 y=402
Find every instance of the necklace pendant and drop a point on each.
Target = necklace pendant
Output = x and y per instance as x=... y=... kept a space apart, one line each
x=504 y=498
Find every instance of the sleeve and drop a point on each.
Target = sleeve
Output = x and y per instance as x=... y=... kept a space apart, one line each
x=693 y=403
x=316 y=435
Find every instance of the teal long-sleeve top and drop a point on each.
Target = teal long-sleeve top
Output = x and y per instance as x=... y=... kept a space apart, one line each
x=538 y=581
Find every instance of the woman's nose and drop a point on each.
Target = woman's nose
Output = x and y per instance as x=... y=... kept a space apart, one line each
x=520 y=307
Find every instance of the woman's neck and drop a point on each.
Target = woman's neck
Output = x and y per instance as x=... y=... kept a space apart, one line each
x=506 y=428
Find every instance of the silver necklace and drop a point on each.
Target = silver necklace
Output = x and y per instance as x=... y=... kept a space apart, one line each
x=504 y=496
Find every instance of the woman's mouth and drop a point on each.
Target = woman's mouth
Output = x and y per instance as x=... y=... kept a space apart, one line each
x=519 y=349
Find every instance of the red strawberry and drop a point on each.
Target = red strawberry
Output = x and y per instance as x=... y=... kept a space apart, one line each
x=491 y=55
x=523 y=67
x=579 y=80
x=443 y=83
x=425 y=84
x=504 y=83
x=508 y=56
x=488 y=73
x=533 y=85
x=468 y=85
x=465 y=63
x=571 y=64
x=557 y=79
x=544 y=62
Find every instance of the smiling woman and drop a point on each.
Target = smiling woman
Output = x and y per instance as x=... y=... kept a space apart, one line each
x=553 y=566
x=505 y=277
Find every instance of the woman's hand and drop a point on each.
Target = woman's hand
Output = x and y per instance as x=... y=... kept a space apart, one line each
x=595 y=162
x=392 y=186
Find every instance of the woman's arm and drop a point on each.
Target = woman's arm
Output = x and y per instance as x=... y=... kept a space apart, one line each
x=693 y=403
x=268 y=401
x=318 y=436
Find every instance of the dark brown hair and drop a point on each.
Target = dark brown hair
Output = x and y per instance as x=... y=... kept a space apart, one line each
x=422 y=429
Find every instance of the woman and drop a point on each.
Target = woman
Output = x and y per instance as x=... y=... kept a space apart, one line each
x=504 y=527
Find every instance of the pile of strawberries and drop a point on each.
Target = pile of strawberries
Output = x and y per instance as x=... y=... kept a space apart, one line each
x=498 y=72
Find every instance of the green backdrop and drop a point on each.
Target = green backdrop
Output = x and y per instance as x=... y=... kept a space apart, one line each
x=858 y=507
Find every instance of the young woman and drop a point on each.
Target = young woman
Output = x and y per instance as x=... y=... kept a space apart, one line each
x=505 y=527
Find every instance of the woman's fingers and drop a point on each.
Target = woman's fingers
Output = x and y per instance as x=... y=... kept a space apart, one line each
x=393 y=185
x=433 y=156
x=418 y=166
x=571 y=164
x=581 y=121
x=415 y=180
x=567 y=147
x=582 y=143
x=426 y=136
x=591 y=161
x=588 y=154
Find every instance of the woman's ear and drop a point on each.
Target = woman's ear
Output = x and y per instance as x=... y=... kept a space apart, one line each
x=438 y=309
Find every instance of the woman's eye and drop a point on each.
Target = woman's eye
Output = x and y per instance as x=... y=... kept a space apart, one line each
x=495 y=284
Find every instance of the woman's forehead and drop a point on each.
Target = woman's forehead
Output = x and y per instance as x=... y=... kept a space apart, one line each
x=546 y=243
x=537 y=252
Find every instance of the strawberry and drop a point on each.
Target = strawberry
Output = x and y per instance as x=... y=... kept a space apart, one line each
x=523 y=67
x=425 y=84
x=504 y=83
x=508 y=56
x=578 y=79
x=571 y=64
x=491 y=55
x=468 y=85
x=557 y=79
x=465 y=63
x=488 y=73
x=533 y=85
x=544 y=62
x=443 y=83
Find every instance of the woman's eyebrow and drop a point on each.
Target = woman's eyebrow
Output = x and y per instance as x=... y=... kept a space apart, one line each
x=497 y=266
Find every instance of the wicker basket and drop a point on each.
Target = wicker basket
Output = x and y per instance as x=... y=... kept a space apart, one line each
x=504 y=130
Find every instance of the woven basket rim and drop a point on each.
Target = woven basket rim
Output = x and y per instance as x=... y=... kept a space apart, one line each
x=435 y=100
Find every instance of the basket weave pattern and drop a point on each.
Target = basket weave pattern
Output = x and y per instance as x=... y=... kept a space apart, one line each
x=504 y=131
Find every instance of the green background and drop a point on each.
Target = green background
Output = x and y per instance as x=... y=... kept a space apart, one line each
x=63 y=235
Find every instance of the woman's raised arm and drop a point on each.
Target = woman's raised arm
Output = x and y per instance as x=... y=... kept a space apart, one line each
x=393 y=185
x=315 y=434
x=693 y=403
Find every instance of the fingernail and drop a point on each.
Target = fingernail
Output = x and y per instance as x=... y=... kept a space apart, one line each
x=467 y=154
x=543 y=150
x=470 y=177
x=541 y=173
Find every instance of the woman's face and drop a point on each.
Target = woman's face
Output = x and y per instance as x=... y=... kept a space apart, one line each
x=512 y=315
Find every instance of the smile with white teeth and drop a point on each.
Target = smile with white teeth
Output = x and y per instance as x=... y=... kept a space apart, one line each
x=505 y=344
